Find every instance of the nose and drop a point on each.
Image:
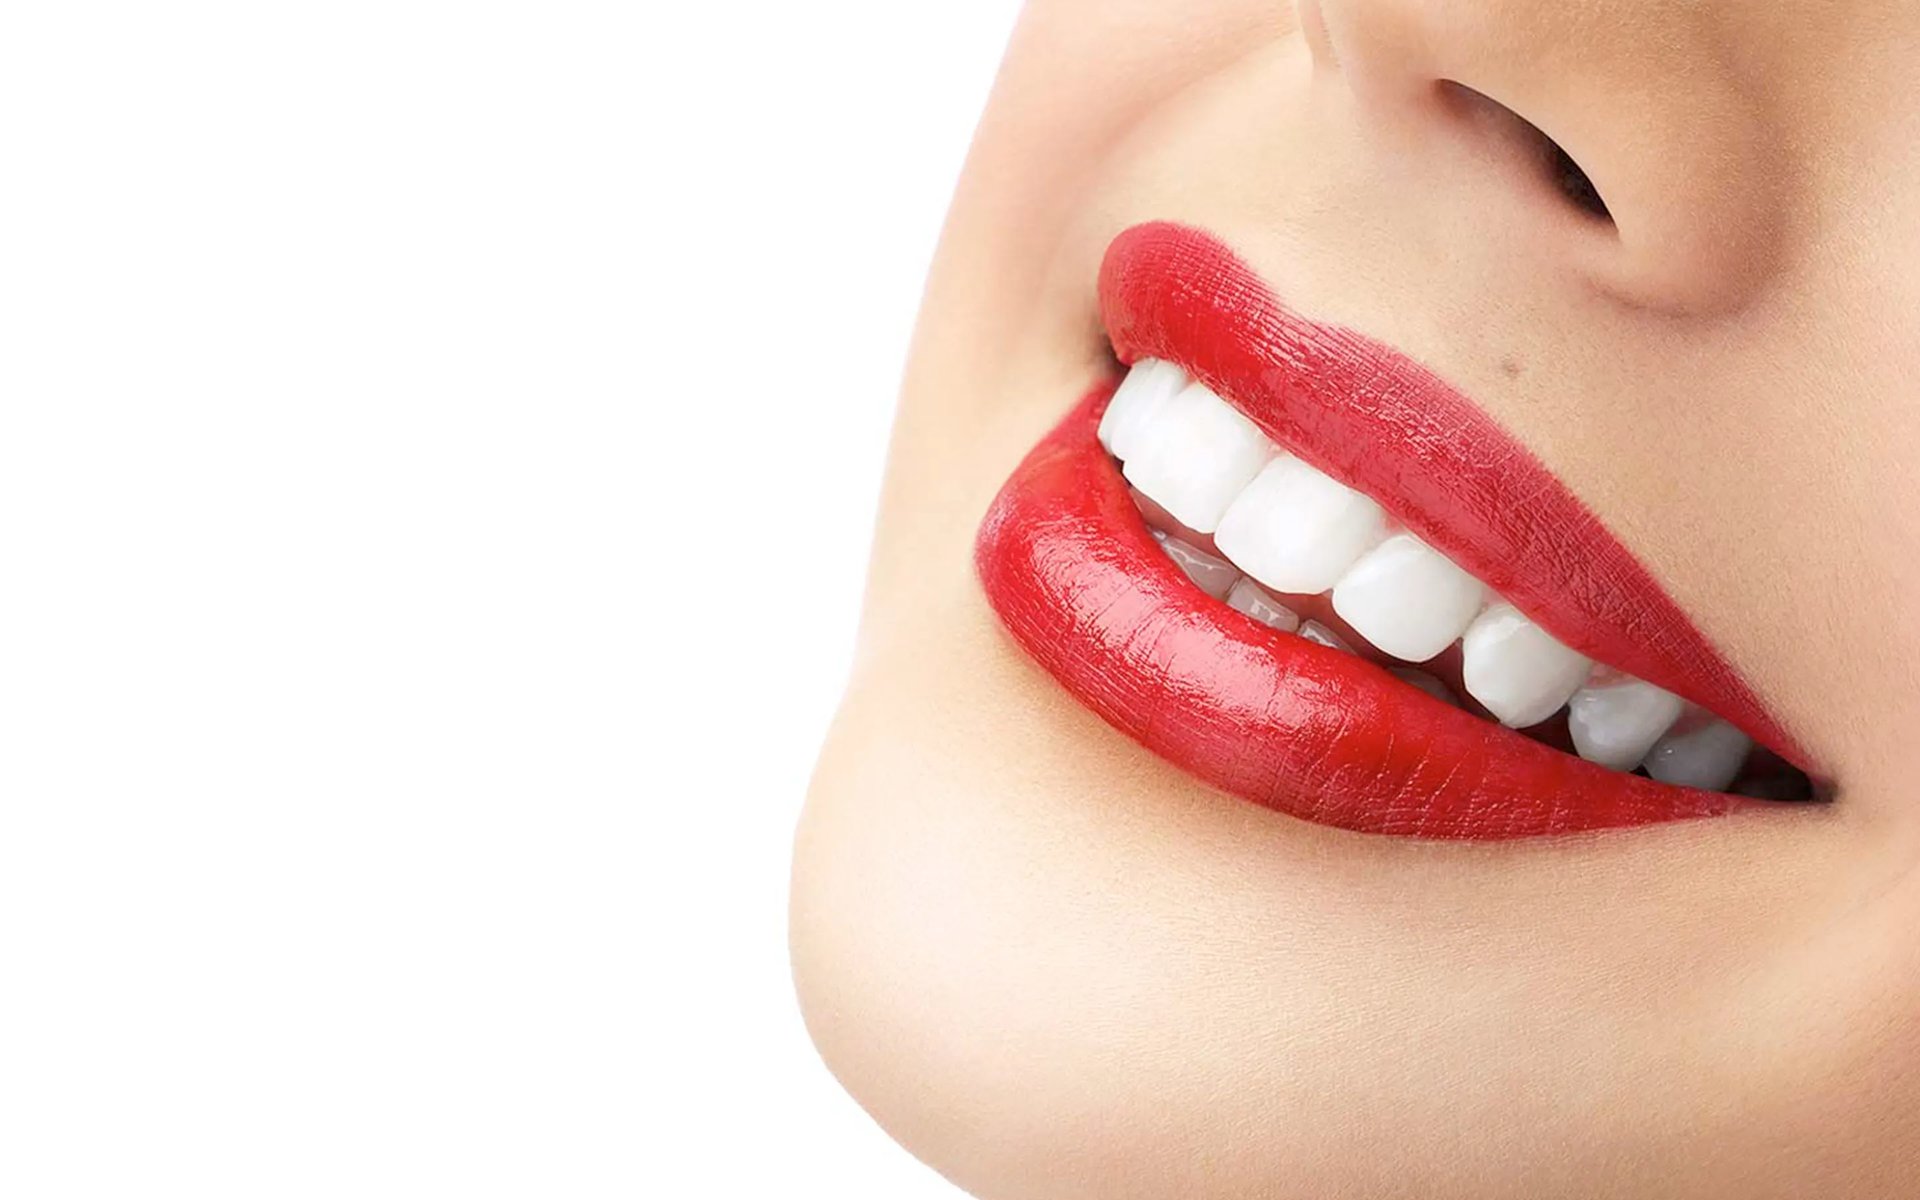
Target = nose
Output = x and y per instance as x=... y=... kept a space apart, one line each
x=1622 y=137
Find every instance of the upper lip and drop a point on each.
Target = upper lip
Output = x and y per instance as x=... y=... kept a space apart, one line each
x=1388 y=427
x=1071 y=570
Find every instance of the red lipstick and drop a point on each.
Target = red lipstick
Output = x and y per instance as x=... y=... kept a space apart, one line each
x=1072 y=570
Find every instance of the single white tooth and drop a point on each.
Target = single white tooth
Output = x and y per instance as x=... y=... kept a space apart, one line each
x=1296 y=530
x=1250 y=598
x=1428 y=684
x=1617 y=724
x=1214 y=576
x=1407 y=599
x=1517 y=669
x=1709 y=757
x=1148 y=386
x=1314 y=631
x=1194 y=454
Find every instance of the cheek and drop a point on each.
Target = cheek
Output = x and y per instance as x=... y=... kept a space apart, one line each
x=1079 y=78
x=1815 y=461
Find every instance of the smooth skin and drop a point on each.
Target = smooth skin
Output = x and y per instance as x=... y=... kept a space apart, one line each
x=1055 y=967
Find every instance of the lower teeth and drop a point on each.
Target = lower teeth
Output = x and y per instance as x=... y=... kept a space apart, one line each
x=1674 y=743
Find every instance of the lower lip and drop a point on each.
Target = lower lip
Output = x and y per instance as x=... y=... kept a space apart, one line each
x=1072 y=570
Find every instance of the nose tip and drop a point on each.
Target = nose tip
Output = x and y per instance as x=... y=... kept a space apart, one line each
x=1620 y=146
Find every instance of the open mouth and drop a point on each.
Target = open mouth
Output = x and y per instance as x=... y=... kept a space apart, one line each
x=1300 y=566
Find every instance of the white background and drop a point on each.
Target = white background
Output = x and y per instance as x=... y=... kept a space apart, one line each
x=438 y=444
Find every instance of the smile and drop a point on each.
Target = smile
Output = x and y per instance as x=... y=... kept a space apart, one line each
x=1300 y=566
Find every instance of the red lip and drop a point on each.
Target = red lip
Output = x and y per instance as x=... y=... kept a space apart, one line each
x=1071 y=569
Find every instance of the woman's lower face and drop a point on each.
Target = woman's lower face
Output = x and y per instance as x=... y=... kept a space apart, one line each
x=1558 y=362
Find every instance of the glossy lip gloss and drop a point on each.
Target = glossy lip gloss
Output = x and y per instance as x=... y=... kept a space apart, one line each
x=1069 y=565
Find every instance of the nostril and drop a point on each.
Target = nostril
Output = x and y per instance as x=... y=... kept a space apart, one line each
x=1553 y=162
x=1573 y=182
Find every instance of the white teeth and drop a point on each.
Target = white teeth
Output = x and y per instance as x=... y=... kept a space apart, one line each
x=1517 y=670
x=1248 y=597
x=1296 y=530
x=1194 y=454
x=1707 y=758
x=1407 y=600
x=1146 y=389
x=1214 y=576
x=1314 y=631
x=1618 y=724
x=1280 y=526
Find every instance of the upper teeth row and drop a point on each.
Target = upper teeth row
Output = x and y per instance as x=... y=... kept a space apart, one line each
x=1300 y=532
